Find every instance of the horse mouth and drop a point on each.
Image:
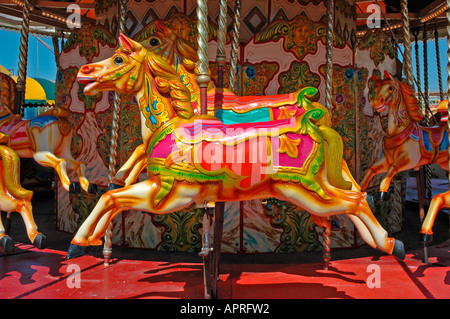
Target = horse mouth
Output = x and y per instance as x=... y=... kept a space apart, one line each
x=381 y=108
x=90 y=82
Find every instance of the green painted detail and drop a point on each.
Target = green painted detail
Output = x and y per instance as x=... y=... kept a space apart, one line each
x=253 y=116
x=189 y=176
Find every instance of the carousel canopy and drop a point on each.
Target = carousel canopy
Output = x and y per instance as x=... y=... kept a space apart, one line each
x=38 y=91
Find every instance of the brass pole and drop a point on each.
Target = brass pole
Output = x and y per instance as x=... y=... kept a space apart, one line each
x=23 y=56
x=114 y=140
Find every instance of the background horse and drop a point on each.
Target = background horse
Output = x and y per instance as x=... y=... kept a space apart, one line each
x=46 y=138
x=188 y=155
x=14 y=198
x=407 y=144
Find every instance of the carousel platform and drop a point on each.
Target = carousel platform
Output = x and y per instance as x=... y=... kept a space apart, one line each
x=46 y=274
x=29 y=273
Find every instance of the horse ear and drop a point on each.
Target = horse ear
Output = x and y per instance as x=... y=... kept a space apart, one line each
x=375 y=78
x=129 y=44
x=160 y=27
x=387 y=75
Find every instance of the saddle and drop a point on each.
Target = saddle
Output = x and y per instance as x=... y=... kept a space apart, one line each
x=433 y=139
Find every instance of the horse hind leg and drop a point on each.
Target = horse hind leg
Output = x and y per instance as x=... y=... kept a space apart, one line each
x=6 y=242
x=370 y=227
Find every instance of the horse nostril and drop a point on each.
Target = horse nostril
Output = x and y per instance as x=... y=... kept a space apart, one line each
x=87 y=69
x=382 y=100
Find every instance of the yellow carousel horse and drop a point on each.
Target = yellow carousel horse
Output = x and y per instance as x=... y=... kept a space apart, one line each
x=407 y=144
x=196 y=159
x=14 y=198
x=46 y=138
x=232 y=108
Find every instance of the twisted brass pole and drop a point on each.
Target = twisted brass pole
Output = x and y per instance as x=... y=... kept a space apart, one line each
x=221 y=35
x=203 y=77
x=235 y=46
x=23 y=56
x=329 y=55
x=407 y=60
x=438 y=64
x=416 y=47
x=114 y=140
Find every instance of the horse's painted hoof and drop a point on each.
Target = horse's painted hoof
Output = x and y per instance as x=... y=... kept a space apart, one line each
x=75 y=188
x=426 y=238
x=96 y=250
x=114 y=186
x=399 y=249
x=75 y=251
x=384 y=196
x=335 y=225
x=92 y=189
x=6 y=245
x=40 y=241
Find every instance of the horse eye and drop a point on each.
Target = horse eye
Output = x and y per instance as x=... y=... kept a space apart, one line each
x=118 y=60
x=390 y=88
x=154 y=42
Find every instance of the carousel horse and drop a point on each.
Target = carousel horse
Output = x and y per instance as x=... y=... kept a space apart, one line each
x=407 y=144
x=14 y=198
x=197 y=159
x=47 y=139
x=439 y=201
x=222 y=103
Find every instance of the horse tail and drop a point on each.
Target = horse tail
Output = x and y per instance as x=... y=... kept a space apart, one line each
x=11 y=174
x=334 y=152
x=63 y=116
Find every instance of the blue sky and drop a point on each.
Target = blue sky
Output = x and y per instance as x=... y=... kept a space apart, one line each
x=41 y=62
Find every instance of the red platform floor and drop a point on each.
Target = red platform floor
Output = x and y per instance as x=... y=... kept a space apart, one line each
x=46 y=274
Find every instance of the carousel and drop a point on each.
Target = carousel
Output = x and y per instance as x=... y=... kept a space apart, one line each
x=228 y=149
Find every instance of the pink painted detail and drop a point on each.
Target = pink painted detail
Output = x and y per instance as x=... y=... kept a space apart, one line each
x=241 y=103
x=17 y=130
x=214 y=129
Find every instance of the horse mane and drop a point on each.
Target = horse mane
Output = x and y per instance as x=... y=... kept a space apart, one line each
x=168 y=81
x=412 y=105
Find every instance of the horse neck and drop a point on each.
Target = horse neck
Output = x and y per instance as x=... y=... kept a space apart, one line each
x=154 y=108
x=399 y=119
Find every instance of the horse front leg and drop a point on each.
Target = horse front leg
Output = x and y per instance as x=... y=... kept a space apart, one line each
x=47 y=159
x=378 y=167
x=438 y=202
x=141 y=196
x=129 y=172
x=400 y=164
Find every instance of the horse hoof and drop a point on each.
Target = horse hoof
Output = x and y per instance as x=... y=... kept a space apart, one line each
x=6 y=245
x=92 y=189
x=75 y=188
x=383 y=196
x=40 y=241
x=335 y=225
x=399 y=250
x=114 y=186
x=75 y=251
x=425 y=238
x=95 y=250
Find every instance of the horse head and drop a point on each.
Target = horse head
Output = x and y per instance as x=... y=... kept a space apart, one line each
x=123 y=72
x=385 y=91
x=135 y=70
